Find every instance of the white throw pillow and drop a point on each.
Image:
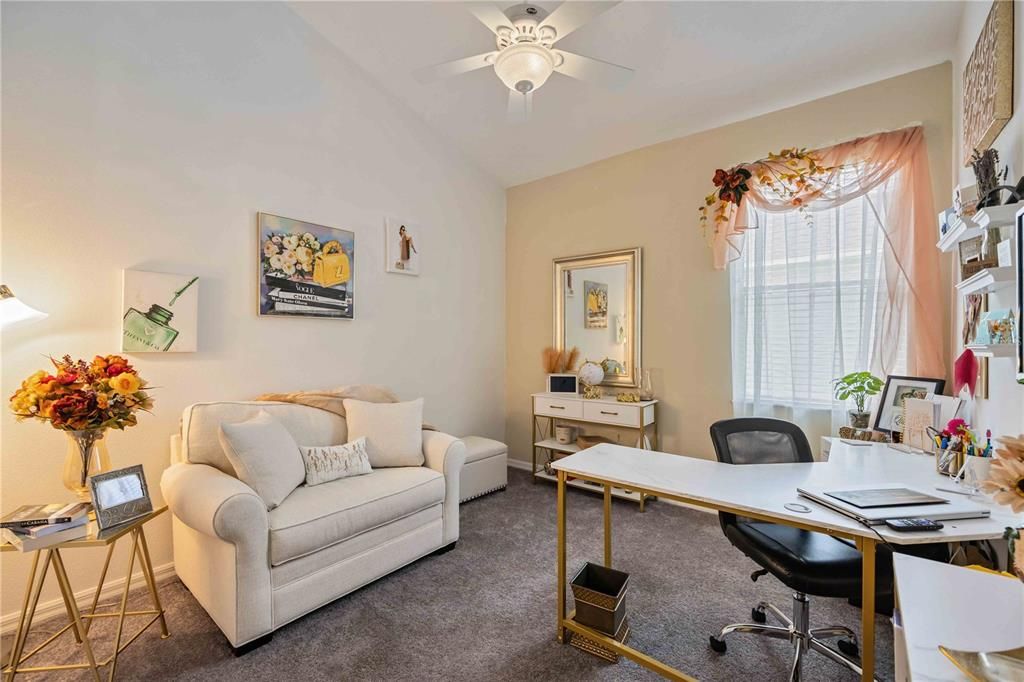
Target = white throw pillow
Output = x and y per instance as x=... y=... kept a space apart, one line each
x=393 y=431
x=265 y=457
x=331 y=462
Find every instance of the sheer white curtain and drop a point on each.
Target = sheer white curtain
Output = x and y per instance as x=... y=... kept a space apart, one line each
x=807 y=301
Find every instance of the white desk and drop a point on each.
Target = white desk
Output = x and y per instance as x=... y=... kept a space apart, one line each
x=761 y=491
x=958 y=608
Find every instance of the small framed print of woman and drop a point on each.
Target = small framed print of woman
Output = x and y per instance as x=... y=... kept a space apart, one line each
x=401 y=247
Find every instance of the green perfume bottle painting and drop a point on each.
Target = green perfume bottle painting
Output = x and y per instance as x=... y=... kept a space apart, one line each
x=160 y=312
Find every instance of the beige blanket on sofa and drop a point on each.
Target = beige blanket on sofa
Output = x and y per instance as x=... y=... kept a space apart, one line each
x=333 y=401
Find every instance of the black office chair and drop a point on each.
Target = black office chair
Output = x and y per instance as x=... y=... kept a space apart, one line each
x=806 y=562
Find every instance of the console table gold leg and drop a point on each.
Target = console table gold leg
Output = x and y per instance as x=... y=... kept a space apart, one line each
x=147 y=570
x=867 y=648
x=561 y=556
x=76 y=617
x=28 y=609
x=607 y=525
x=124 y=603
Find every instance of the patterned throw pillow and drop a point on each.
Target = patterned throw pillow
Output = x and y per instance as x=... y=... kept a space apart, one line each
x=331 y=462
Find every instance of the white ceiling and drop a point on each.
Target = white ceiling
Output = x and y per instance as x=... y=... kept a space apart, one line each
x=698 y=65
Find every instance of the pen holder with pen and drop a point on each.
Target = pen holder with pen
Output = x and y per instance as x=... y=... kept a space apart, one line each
x=948 y=462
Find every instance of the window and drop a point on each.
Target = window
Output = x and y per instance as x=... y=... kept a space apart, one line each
x=806 y=299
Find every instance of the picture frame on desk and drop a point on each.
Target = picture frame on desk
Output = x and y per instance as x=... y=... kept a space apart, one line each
x=889 y=415
x=562 y=383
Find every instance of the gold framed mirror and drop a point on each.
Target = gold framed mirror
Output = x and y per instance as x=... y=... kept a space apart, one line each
x=598 y=309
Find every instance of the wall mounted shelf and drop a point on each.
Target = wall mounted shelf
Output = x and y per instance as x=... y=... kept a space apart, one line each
x=994 y=350
x=986 y=281
x=958 y=231
x=996 y=216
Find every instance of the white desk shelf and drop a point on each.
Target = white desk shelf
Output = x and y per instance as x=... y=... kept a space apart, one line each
x=994 y=350
x=986 y=281
x=996 y=216
x=958 y=231
x=550 y=409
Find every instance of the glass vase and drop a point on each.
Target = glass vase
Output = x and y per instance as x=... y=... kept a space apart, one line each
x=646 y=387
x=87 y=455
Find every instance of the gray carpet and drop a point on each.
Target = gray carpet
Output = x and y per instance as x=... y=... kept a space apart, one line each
x=486 y=610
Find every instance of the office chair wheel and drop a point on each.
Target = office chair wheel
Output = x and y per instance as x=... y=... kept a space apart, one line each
x=717 y=645
x=758 y=616
x=847 y=647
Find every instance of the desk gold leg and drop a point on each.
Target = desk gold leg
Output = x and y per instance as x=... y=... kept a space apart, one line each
x=76 y=617
x=867 y=644
x=561 y=557
x=608 y=525
x=124 y=603
x=147 y=570
x=28 y=609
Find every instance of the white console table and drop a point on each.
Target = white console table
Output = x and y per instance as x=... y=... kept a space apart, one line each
x=551 y=408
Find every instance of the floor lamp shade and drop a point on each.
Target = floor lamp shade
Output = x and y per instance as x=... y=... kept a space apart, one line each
x=14 y=312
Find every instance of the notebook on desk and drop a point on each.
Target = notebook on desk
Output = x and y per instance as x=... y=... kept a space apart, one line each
x=945 y=509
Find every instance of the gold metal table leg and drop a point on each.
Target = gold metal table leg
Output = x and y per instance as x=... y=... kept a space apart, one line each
x=28 y=609
x=147 y=569
x=561 y=557
x=607 y=525
x=99 y=586
x=867 y=644
x=76 y=617
x=124 y=603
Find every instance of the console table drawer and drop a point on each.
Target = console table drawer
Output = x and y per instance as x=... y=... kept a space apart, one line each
x=556 y=407
x=624 y=415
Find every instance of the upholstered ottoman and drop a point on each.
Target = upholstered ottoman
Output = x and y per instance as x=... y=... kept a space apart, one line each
x=486 y=467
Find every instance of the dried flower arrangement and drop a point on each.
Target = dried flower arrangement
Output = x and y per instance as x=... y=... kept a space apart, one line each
x=557 y=361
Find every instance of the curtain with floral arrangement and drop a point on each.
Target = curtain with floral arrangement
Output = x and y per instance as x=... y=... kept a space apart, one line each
x=810 y=181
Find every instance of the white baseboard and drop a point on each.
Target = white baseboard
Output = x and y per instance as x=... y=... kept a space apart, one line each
x=525 y=466
x=111 y=589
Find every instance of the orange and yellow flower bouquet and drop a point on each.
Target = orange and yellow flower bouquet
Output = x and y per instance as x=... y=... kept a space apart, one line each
x=106 y=393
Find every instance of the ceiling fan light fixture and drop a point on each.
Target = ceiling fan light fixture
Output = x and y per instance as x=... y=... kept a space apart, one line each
x=524 y=67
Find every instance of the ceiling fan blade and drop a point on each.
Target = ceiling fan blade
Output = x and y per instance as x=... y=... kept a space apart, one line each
x=489 y=15
x=454 y=68
x=520 y=106
x=592 y=70
x=569 y=16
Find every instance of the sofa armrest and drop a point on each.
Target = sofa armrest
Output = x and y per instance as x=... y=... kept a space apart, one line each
x=211 y=502
x=446 y=454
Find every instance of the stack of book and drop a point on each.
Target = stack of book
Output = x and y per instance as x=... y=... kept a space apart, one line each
x=306 y=298
x=31 y=527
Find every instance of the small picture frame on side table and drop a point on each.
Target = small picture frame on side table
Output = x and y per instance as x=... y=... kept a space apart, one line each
x=120 y=496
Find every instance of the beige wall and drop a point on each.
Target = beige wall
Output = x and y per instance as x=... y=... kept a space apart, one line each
x=147 y=135
x=1003 y=411
x=649 y=198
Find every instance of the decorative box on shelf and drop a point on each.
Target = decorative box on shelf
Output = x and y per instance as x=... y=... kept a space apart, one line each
x=551 y=408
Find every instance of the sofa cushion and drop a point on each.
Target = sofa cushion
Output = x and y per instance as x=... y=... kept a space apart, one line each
x=200 y=426
x=314 y=517
x=329 y=463
x=265 y=456
x=393 y=431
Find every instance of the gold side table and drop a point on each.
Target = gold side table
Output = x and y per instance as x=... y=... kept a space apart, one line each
x=78 y=622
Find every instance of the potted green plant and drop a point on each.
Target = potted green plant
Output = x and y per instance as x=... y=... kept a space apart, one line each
x=858 y=385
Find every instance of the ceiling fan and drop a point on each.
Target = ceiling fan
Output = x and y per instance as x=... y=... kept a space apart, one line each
x=525 y=58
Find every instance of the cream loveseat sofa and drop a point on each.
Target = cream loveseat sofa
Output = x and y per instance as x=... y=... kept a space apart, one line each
x=255 y=570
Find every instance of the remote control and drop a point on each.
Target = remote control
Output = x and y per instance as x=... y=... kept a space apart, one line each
x=907 y=525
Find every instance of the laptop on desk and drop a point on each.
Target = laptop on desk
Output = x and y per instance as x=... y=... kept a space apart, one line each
x=873 y=505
